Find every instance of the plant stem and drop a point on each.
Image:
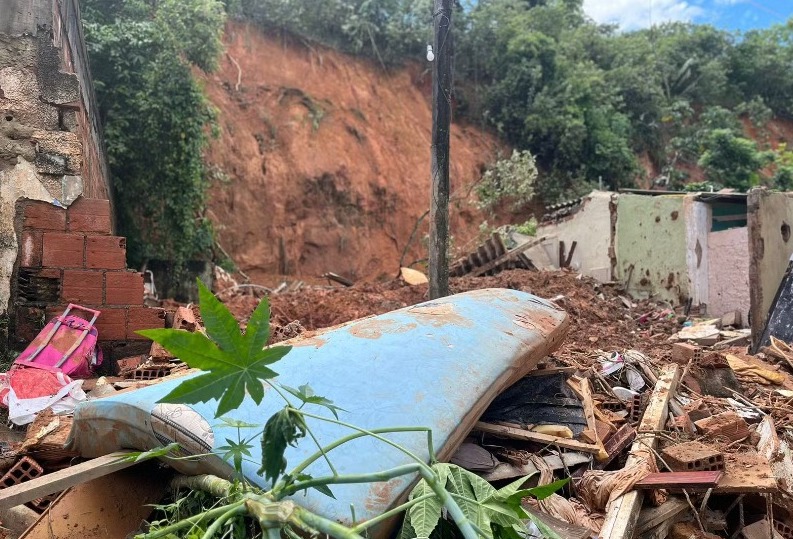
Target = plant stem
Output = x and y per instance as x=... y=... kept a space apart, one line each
x=370 y=433
x=388 y=514
x=217 y=487
x=217 y=524
x=308 y=521
x=303 y=465
x=212 y=513
x=374 y=477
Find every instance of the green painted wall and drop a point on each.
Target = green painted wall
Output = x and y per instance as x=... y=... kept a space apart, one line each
x=651 y=239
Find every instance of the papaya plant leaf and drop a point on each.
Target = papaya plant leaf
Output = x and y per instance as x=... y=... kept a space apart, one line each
x=505 y=493
x=307 y=396
x=324 y=489
x=220 y=324
x=235 y=451
x=283 y=429
x=228 y=376
x=157 y=452
x=424 y=516
x=258 y=330
x=235 y=423
x=544 y=491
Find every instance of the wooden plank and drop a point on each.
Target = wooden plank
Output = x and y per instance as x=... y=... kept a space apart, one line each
x=506 y=257
x=108 y=507
x=621 y=519
x=520 y=434
x=584 y=392
x=680 y=480
x=62 y=479
x=653 y=516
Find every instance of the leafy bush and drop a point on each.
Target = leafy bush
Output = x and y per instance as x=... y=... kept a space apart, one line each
x=732 y=160
x=511 y=179
x=155 y=118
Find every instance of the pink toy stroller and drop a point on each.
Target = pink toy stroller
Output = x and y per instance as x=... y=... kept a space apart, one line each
x=66 y=344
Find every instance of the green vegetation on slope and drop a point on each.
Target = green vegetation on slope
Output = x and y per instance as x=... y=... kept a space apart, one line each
x=585 y=100
x=155 y=117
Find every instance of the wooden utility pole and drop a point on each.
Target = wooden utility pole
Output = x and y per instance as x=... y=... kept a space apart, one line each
x=441 y=120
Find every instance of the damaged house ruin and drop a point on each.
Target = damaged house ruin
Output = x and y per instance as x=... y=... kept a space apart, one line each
x=56 y=223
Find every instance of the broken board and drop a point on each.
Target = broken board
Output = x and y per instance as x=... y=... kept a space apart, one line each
x=438 y=364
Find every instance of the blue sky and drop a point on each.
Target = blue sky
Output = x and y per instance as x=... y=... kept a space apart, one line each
x=728 y=14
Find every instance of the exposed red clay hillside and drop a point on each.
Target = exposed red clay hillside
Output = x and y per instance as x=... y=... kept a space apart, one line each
x=324 y=159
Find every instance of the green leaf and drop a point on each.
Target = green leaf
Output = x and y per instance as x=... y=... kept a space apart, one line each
x=424 y=516
x=157 y=452
x=307 y=396
x=220 y=324
x=544 y=491
x=284 y=428
x=324 y=489
x=235 y=451
x=258 y=330
x=505 y=493
x=228 y=376
x=406 y=531
x=235 y=423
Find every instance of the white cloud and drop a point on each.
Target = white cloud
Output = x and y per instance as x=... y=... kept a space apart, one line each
x=633 y=14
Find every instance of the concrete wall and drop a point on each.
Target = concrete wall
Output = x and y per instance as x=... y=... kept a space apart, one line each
x=728 y=272
x=50 y=147
x=697 y=221
x=590 y=227
x=770 y=247
x=651 y=246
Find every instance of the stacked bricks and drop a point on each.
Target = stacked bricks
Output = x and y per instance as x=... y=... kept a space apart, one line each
x=73 y=256
x=693 y=457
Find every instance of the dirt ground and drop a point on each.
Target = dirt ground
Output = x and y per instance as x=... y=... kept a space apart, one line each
x=600 y=315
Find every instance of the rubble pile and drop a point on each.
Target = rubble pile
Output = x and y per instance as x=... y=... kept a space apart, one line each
x=664 y=423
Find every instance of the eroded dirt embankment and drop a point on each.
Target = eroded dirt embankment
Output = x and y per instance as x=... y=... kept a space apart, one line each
x=322 y=163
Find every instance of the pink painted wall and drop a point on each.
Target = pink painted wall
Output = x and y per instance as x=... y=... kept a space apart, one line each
x=728 y=272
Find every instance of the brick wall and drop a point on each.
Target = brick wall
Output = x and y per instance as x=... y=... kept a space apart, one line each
x=70 y=256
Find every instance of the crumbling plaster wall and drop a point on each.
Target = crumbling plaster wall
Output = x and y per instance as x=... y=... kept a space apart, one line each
x=728 y=272
x=651 y=246
x=44 y=119
x=697 y=222
x=590 y=228
x=770 y=219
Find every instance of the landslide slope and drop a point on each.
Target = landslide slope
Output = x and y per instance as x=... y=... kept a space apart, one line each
x=322 y=162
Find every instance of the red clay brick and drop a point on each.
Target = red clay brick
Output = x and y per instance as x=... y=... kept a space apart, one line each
x=90 y=215
x=112 y=324
x=43 y=216
x=30 y=249
x=106 y=252
x=25 y=469
x=82 y=286
x=62 y=250
x=144 y=318
x=123 y=288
